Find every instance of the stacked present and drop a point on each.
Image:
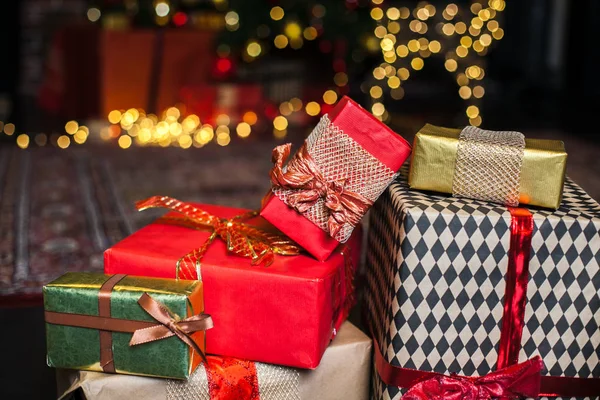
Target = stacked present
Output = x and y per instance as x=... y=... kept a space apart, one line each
x=233 y=304
x=487 y=289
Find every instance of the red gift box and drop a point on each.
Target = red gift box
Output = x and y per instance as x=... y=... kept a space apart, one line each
x=283 y=314
x=380 y=151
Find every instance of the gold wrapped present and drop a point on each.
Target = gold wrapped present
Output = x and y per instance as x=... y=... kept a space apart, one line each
x=537 y=168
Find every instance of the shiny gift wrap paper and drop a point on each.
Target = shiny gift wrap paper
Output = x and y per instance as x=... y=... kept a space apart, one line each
x=355 y=158
x=79 y=348
x=542 y=172
x=343 y=374
x=285 y=313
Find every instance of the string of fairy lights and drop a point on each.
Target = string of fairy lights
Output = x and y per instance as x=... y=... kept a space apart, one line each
x=458 y=36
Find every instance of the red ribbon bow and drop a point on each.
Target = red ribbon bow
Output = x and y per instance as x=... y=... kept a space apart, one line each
x=170 y=325
x=519 y=380
x=304 y=177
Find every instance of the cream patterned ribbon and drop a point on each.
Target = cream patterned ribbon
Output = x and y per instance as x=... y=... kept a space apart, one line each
x=340 y=158
x=488 y=165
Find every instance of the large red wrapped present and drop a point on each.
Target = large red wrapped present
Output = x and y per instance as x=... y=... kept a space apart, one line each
x=345 y=164
x=281 y=310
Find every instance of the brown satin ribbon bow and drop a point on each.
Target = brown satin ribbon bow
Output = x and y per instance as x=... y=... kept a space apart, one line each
x=242 y=239
x=170 y=325
x=303 y=176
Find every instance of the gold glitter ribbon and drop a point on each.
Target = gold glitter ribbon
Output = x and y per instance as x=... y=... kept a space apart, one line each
x=488 y=166
x=241 y=239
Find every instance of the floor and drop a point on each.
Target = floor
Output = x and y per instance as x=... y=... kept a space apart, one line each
x=66 y=188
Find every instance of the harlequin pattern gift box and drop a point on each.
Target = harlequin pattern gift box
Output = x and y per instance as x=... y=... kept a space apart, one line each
x=343 y=374
x=480 y=297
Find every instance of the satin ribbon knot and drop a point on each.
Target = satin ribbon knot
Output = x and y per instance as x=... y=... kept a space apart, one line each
x=303 y=177
x=519 y=380
x=170 y=325
x=241 y=239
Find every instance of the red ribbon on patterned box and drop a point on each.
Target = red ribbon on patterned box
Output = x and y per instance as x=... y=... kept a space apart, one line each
x=510 y=379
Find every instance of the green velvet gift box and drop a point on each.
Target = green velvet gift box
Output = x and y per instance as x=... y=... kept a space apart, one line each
x=125 y=324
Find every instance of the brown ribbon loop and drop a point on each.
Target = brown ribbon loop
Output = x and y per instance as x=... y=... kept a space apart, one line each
x=170 y=325
x=304 y=178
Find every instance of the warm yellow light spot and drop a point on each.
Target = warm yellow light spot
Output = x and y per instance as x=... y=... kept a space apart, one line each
x=296 y=104
x=403 y=73
x=23 y=141
x=330 y=97
x=478 y=92
x=205 y=135
x=253 y=49
x=389 y=70
x=422 y=14
x=41 y=139
x=460 y=28
x=393 y=13
x=477 y=46
x=397 y=94
x=430 y=8
x=466 y=41
x=422 y=29
x=277 y=13
x=378 y=109
x=485 y=39
x=162 y=128
x=134 y=113
x=280 y=123
x=223 y=119
x=394 y=27
x=279 y=134
x=250 y=117
x=380 y=31
x=417 y=63
x=475 y=121
x=448 y=29
x=243 y=130
x=393 y=82
x=376 y=13
x=413 y=45
x=114 y=117
x=173 y=113
x=379 y=73
x=498 y=34
x=376 y=92
x=232 y=18
x=402 y=50
x=223 y=140
x=477 y=23
x=415 y=25
x=285 y=108
x=94 y=14
x=190 y=123
x=63 y=141
x=310 y=33
x=280 y=41
x=175 y=129
x=493 y=26
x=292 y=30
x=452 y=9
x=313 y=108
x=376 y=1
x=125 y=142
x=9 y=129
x=404 y=12
x=474 y=31
x=423 y=43
x=476 y=7
x=340 y=79
x=462 y=51
x=464 y=92
x=472 y=111
x=435 y=46
x=71 y=127
x=387 y=44
x=81 y=136
x=462 y=80
x=185 y=141
x=389 y=57
x=484 y=15
x=105 y=133
x=451 y=65
x=473 y=72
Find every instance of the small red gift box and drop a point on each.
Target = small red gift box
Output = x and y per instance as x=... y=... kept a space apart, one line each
x=285 y=313
x=344 y=165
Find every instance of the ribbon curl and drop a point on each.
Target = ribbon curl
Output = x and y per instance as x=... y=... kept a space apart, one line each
x=241 y=239
x=519 y=380
x=170 y=325
x=303 y=176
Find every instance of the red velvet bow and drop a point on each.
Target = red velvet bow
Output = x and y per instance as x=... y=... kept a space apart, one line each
x=304 y=177
x=520 y=380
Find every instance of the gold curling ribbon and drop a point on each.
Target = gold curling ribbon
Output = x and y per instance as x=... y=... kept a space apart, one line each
x=241 y=239
x=488 y=166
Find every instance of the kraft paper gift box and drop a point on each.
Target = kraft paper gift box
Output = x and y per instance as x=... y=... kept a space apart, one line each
x=441 y=271
x=285 y=313
x=325 y=189
x=93 y=320
x=343 y=374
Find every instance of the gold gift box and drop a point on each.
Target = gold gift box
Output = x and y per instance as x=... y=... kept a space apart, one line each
x=542 y=172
